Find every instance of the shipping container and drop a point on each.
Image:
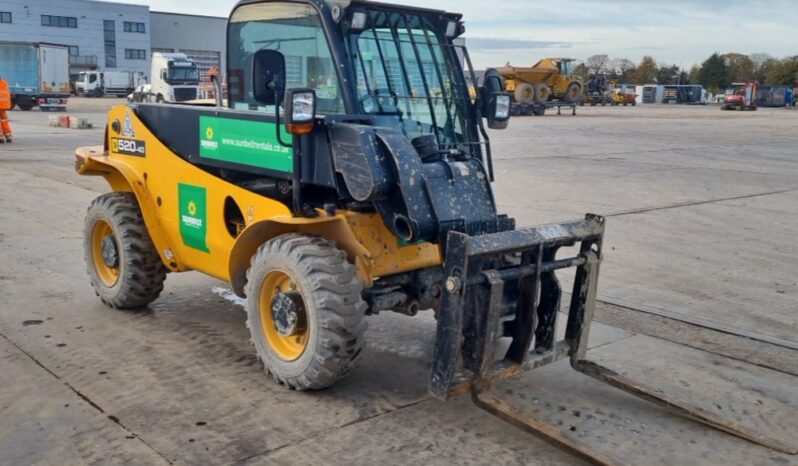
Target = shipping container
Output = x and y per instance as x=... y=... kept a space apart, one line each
x=685 y=94
x=773 y=96
x=653 y=94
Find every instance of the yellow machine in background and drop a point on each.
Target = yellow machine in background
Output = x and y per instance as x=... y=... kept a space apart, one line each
x=550 y=78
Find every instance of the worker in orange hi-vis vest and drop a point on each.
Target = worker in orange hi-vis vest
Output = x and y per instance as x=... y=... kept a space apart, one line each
x=5 y=106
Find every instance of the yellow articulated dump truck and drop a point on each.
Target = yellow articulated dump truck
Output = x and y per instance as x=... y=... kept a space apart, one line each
x=548 y=79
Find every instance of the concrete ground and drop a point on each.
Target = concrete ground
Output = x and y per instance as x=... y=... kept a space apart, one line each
x=702 y=208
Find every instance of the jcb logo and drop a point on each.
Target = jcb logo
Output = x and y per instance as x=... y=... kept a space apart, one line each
x=128 y=147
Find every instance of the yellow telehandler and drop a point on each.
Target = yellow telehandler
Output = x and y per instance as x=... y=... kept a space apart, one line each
x=347 y=172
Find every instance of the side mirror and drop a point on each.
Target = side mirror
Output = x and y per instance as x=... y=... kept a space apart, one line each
x=300 y=111
x=495 y=102
x=268 y=76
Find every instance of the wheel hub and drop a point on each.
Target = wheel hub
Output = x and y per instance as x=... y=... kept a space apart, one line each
x=109 y=252
x=288 y=311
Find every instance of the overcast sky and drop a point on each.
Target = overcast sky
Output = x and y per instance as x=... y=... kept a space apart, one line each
x=680 y=32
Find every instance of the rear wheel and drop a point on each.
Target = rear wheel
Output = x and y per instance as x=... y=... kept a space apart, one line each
x=123 y=265
x=25 y=105
x=542 y=93
x=305 y=311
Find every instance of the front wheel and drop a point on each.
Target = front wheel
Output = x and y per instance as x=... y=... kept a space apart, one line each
x=123 y=264
x=573 y=93
x=305 y=311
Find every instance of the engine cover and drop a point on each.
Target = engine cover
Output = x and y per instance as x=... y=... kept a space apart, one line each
x=417 y=200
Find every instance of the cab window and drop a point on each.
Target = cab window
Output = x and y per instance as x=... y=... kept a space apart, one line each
x=296 y=31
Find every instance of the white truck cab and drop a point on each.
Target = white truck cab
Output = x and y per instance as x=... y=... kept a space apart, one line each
x=175 y=77
x=102 y=83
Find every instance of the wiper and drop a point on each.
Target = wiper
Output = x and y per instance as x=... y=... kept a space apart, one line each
x=383 y=63
x=423 y=76
x=446 y=102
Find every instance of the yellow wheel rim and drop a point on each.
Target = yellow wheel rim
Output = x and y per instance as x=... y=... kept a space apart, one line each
x=290 y=347
x=105 y=264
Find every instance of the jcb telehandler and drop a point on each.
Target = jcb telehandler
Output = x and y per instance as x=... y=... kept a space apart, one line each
x=347 y=172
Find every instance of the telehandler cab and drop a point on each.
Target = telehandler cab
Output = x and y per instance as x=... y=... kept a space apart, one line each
x=347 y=173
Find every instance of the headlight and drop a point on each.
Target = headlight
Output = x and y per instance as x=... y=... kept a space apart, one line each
x=358 y=21
x=300 y=110
x=303 y=106
x=502 y=107
x=451 y=29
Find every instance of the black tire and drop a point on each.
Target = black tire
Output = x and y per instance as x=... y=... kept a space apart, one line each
x=334 y=310
x=573 y=93
x=140 y=274
x=542 y=93
x=25 y=106
x=159 y=99
x=524 y=93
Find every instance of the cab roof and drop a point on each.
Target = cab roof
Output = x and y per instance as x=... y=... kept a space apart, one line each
x=323 y=4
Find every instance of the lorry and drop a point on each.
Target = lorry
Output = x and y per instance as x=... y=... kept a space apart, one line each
x=174 y=77
x=102 y=83
x=37 y=74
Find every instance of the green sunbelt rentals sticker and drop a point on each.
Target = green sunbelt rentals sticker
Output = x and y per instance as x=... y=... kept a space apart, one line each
x=193 y=216
x=245 y=142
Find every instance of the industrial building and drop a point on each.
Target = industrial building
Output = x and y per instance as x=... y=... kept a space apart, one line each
x=100 y=35
x=113 y=36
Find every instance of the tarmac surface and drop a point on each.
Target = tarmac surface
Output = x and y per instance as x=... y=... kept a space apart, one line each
x=702 y=213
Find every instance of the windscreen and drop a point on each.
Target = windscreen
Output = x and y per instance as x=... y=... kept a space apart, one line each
x=183 y=74
x=407 y=78
x=293 y=29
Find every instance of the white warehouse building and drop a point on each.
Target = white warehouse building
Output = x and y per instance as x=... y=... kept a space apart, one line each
x=114 y=36
x=100 y=35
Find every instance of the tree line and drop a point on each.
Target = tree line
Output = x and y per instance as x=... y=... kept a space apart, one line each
x=716 y=72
